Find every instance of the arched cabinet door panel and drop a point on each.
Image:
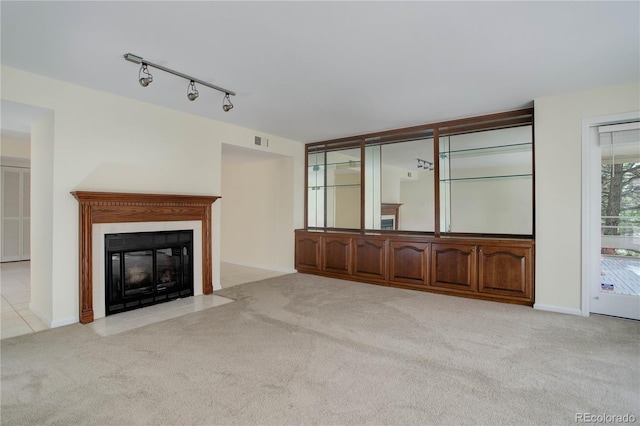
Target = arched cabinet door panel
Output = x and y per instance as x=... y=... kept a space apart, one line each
x=453 y=266
x=409 y=263
x=308 y=252
x=369 y=258
x=336 y=255
x=505 y=271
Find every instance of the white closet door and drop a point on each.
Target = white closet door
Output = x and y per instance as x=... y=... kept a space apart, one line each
x=11 y=194
x=15 y=209
x=26 y=215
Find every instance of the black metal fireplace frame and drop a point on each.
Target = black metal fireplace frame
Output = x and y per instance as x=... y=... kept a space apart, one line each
x=123 y=243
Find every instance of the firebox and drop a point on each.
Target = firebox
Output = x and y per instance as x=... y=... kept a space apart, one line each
x=146 y=268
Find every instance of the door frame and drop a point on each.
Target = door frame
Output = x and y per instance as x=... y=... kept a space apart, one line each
x=589 y=235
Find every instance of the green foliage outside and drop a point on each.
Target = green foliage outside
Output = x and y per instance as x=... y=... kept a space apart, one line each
x=620 y=207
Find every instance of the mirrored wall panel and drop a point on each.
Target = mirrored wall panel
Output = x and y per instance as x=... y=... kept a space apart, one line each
x=486 y=181
x=467 y=176
x=399 y=179
x=333 y=188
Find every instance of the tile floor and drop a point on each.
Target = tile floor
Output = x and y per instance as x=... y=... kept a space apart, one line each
x=17 y=319
x=15 y=289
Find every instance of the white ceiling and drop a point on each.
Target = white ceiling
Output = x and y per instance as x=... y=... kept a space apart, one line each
x=317 y=70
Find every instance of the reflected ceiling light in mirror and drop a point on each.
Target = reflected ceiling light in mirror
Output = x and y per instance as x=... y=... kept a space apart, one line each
x=424 y=164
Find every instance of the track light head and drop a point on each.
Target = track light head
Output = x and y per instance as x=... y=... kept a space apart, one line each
x=145 y=81
x=226 y=103
x=192 y=92
x=147 y=78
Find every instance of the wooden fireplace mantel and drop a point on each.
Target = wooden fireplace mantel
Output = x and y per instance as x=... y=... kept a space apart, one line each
x=114 y=207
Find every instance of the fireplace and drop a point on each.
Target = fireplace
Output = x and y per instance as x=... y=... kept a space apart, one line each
x=146 y=268
x=98 y=208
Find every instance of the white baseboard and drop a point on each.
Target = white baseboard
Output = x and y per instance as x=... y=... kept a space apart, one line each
x=45 y=319
x=558 y=309
x=54 y=323
x=266 y=267
x=65 y=321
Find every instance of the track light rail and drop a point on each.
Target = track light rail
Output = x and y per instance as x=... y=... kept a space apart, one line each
x=139 y=60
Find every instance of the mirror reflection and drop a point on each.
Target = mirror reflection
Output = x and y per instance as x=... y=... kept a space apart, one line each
x=486 y=182
x=399 y=186
x=333 y=188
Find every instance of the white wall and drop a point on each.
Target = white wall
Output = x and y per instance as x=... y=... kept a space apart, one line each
x=15 y=148
x=417 y=212
x=104 y=142
x=391 y=178
x=257 y=213
x=558 y=150
x=42 y=219
x=498 y=206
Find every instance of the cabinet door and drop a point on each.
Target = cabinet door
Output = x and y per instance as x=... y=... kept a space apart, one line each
x=408 y=263
x=369 y=259
x=308 y=252
x=505 y=271
x=336 y=254
x=454 y=266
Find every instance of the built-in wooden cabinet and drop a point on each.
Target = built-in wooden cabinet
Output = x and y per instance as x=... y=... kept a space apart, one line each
x=498 y=270
x=445 y=207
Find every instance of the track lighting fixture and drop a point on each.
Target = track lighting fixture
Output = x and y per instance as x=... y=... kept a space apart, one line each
x=226 y=103
x=144 y=81
x=192 y=92
x=424 y=164
x=145 y=78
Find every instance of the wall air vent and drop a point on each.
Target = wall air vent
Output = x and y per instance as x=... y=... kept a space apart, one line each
x=261 y=141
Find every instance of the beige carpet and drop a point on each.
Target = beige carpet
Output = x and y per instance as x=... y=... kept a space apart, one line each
x=300 y=349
